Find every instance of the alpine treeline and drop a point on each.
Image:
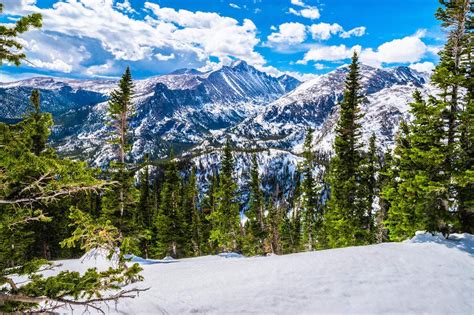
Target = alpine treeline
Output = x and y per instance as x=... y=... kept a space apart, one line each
x=53 y=207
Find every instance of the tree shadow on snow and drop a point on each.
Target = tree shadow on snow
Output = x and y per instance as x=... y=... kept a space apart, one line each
x=463 y=242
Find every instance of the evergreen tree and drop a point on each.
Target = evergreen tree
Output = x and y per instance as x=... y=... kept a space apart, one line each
x=39 y=124
x=369 y=186
x=452 y=75
x=11 y=49
x=256 y=219
x=344 y=217
x=310 y=202
x=198 y=235
x=170 y=221
x=419 y=200
x=208 y=207
x=225 y=219
x=143 y=216
x=120 y=111
x=386 y=180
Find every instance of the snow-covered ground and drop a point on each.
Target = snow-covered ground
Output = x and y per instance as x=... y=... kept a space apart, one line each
x=425 y=275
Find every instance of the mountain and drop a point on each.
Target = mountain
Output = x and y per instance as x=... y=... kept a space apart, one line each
x=194 y=112
x=283 y=123
x=179 y=109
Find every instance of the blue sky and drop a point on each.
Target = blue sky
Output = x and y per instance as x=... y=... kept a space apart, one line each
x=99 y=38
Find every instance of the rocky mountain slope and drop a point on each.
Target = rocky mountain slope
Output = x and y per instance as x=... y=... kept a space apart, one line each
x=194 y=112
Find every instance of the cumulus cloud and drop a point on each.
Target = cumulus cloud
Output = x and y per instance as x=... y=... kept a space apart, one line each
x=298 y=3
x=235 y=6
x=164 y=57
x=409 y=49
x=329 y=53
x=324 y=30
x=357 y=32
x=191 y=38
x=423 y=66
x=54 y=65
x=319 y=66
x=306 y=11
x=125 y=6
x=288 y=33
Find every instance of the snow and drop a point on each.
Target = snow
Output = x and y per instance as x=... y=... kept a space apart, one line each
x=425 y=275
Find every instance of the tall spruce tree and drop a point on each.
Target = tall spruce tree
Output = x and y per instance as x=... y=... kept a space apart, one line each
x=39 y=124
x=256 y=233
x=310 y=198
x=369 y=186
x=143 y=216
x=196 y=229
x=120 y=111
x=225 y=219
x=170 y=221
x=344 y=217
x=385 y=180
x=452 y=75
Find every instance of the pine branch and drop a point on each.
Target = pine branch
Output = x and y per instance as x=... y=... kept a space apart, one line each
x=55 y=195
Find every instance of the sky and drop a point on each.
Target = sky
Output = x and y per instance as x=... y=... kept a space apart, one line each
x=303 y=38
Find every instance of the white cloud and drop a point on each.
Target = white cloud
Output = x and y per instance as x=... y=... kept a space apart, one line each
x=191 y=37
x=324 y=30
x=307 y=11
x=233 y=5
x=210 y=34
x=125 y=6
x=55 y=65
x=288 y=33
x=319 y=66
x=298 y=3
x=310 y=13
x=357 y=32
x=329 y=53
x=423 y=66
x=164 y=57
x=407 y=49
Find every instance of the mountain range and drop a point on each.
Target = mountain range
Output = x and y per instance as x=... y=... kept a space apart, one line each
x=194 y=112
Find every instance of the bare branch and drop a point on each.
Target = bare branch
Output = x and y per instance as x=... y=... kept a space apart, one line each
x=65 y=191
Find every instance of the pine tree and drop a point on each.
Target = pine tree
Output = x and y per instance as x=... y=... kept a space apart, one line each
x=344 y=217
x=256 y=219
x=11 y=49
x=208 y=207
x=143 y=216
x=369 y=186
x=419 y=199
x=452 y=75
x=170 y=221
x=386 y=180
x=39 y=124
x=198 y=235
x=310 y=201
x=225 y=219
x=120 y=111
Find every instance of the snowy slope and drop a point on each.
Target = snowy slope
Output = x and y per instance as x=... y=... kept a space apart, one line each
x=426 y=275
x=180 y=109
x=283 y=123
